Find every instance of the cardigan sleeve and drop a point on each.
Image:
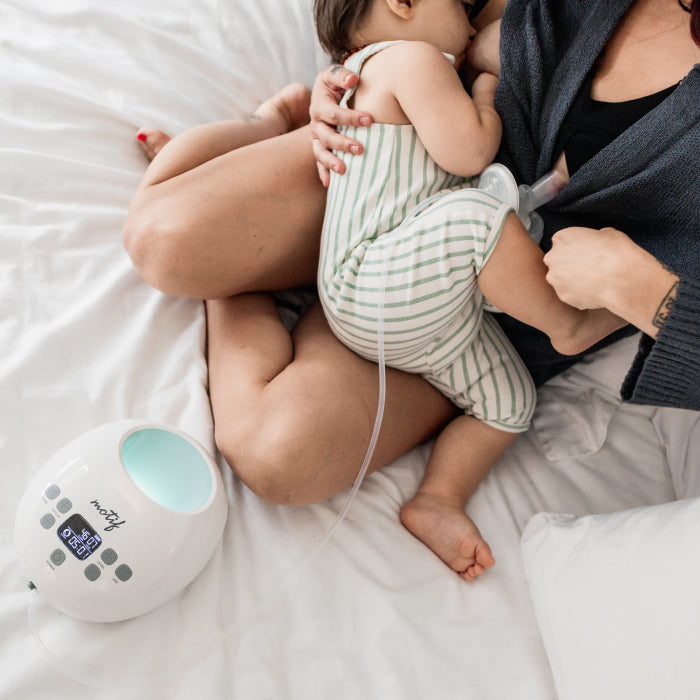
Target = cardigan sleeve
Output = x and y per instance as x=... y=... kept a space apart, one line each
x=666 y=371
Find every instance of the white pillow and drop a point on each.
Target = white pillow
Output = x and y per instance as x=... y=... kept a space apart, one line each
x=617 y=599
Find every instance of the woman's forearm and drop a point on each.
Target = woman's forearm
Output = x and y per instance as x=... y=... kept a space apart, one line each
x=643 y=293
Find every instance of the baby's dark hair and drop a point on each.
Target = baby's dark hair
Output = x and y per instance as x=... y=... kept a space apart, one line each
x=335 y=22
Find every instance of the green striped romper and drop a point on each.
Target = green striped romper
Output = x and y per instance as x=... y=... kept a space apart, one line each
x=405 y=239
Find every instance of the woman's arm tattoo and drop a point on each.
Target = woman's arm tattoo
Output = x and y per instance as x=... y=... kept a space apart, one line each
x=665 y=306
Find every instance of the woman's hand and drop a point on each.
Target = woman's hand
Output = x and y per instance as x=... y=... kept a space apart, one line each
x=582 y=263
x=591 y=268
x=326 y=114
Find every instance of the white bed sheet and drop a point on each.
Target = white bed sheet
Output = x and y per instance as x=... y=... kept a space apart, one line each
x=84 y=341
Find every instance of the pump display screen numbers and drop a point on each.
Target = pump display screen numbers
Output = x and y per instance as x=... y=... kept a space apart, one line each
x=79 y=537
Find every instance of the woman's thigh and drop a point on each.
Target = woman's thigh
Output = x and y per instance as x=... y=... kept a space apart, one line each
x=245 y=221
x=306 y=438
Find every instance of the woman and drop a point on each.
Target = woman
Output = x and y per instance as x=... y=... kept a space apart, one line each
x=228 y=211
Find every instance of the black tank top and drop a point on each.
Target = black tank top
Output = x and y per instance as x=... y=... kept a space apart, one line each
x=591 y=125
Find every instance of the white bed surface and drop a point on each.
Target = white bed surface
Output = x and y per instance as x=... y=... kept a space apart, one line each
x=84 y=341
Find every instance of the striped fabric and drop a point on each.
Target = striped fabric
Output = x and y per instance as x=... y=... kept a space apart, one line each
x=405 y=239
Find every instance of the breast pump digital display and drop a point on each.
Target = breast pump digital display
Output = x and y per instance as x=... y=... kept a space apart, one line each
x=80 y=539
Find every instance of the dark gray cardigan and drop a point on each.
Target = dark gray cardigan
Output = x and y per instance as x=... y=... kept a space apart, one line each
x=646 y=183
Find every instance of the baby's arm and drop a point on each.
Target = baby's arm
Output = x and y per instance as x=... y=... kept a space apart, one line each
x=460 y=132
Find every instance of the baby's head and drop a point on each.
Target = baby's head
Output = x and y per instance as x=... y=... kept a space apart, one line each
x=343 y=25
x=337 y=22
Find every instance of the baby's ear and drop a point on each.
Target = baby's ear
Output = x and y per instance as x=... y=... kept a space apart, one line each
x=402 y=8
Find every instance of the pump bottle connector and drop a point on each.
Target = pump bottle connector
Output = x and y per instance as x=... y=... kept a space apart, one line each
x=498 y=181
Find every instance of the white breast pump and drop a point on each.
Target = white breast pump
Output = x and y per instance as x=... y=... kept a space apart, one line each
x=120 y=519
x=499 y=182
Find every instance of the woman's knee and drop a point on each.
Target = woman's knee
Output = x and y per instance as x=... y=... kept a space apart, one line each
x=281 y=458
x=154 y=246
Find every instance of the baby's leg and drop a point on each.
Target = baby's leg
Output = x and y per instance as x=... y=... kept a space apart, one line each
x=514 y=280
x=463 y=454
x=491 y=379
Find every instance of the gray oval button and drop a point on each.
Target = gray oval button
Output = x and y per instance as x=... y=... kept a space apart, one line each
x=92 y=572
x=52 y=491
x=58 y=556
x=123 y=572
x=109 y=556
x=47 y=521
x=64 y=505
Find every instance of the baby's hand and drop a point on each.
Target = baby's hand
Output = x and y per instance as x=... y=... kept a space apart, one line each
x=484 y=86
x=326 y=115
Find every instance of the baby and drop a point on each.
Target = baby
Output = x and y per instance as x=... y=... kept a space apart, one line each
x=408 y=238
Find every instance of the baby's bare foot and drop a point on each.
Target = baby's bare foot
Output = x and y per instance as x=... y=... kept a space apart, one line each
x=444 y=527
x=291 y=103
x=152 y=141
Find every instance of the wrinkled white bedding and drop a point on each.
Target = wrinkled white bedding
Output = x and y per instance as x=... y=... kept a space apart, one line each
x=84 y=341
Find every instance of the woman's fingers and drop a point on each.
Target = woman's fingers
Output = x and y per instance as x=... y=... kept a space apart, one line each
x=326 y=158
x=323 y=174
x=327 y=114
x=338 y=78
x=330 y=138
x=328 y=111
x=328 y=90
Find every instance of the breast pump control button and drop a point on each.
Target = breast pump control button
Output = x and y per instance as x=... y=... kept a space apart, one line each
x=109 y=556
x=47 y=521
x=52 y=491
x=123 y=572
x=64 y=505
x=57 y=557
x=92 y=572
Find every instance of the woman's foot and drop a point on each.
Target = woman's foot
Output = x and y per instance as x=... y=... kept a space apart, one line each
x=289 y=108
x=152 y=141
x=444 y=527
x=291 y=103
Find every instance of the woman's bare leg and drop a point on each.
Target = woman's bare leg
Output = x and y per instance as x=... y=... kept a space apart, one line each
x=294 y=415
x=227 y=208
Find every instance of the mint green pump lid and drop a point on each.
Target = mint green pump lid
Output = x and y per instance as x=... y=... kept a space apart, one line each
x=168 y=469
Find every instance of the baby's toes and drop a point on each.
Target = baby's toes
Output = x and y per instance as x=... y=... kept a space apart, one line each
x=472 y=572
x=484 y=557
